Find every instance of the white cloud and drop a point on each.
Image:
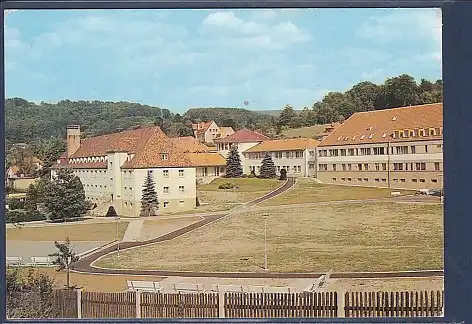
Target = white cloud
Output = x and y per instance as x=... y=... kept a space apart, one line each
x=407 y=24
x=249 y=34
x=359 y=56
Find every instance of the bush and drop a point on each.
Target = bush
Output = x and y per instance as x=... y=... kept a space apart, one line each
x=23 y=217
x=15 y=203
x=244 y=176
x=111 y=212
x=252 y=175
x=226 y=185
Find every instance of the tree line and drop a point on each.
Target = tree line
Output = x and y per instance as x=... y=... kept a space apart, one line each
x=43 y=126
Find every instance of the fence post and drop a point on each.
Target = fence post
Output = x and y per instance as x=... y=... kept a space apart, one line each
x=79 y=303
x=341 y=302
x=138 y=304
x=221 y=303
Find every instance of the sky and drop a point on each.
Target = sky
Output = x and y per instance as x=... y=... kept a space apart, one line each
x=179 y=59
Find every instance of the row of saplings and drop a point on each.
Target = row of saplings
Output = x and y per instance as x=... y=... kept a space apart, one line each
x=234 y=169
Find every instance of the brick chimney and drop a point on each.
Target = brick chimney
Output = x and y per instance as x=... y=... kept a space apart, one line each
x=73 y=139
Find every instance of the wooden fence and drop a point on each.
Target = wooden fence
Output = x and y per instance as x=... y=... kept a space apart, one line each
x=390 y=304
x=270 y=305
x=81 y=304
x=179 y=305
x=64 y=303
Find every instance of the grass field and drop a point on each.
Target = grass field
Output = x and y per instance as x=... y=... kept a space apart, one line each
x=381 y=236
x=89 y=282
x=75 y=232
x=309 y=131
x=213 y=199
x=309 y=191
x=159 y=227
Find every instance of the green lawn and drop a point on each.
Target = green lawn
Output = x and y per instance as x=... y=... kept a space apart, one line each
x=244 y=184
x=309 y=131
x=380 y=236
x=309 y=191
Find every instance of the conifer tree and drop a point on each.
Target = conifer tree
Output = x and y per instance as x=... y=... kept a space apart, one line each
x=31 y=203
x=267 y=167
x=234 y=168
x=149 y=202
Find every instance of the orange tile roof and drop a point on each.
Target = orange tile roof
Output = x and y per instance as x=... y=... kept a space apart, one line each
x=190 y=144
x=202 y=127
x=226 y=131
x=243 y=136
x=287 y=144
x=207 y=159
x=130 y=141
x=378 y=126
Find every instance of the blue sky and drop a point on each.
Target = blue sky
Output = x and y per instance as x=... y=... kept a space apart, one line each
x=178 y=59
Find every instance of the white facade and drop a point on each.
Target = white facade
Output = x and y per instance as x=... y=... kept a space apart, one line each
x=224 y=148
x=298 y=163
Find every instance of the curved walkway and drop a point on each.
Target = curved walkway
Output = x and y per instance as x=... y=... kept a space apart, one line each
x=84 y=265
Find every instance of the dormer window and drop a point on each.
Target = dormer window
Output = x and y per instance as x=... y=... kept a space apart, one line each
x=164 y=156
x=384 y=135
x=371 y=135
x=362 y=137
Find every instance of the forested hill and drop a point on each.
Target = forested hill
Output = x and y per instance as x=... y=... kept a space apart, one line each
x=44 y=125
x=235 y=117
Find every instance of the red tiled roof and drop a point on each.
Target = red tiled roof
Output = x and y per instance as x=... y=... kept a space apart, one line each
x=207 y=159
x=130 y=141
x=378 y=126
x=243 y=136
x=190 y=144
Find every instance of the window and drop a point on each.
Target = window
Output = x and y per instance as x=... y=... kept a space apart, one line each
x=366 y=167
x=343 y=179
x=398 y=166
x=402 y=149
x=434 y=180
x=366 y=179
x=166 y=190
x=312 y=153
x=299 y=154
x=422 y=180
x=344 y=167
x=359 y=179
x=181 y=203
x=379 y=150
x=166 y=173
x=323 y=167
x=333 y=152
x=365 y=151
x=377 y=166
x=334 y=179
x=413 y=149
x=350 y=152
x=181 y=173
x=395 y=180
x=278 y=155
x=420 y=166
x=181 y=189
x=402 y=180
x=322 y=153
x=299 y=169
x=310 y=166
x=288 y=155
x=164 y=156
x=349 y=167
x=384 y=180
x=343 y=152
x=436 y=166
x=334 y=167
x=166 y=204
x=377 y=180
x=426 y=148
x=414 y=180
x=359 y=167
x=294 y=169
x=349 y=179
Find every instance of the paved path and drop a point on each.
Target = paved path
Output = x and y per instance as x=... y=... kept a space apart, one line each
x=133 y=231
x=85 y=264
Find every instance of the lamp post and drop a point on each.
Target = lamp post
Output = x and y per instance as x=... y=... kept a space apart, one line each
x=117 y=218
x=265 y=241
x=68 y=262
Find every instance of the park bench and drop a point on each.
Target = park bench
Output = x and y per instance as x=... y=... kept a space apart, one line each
x=14 y=261
x=147 y=286
x=188 y=288
x=277 y=290
x=228 y=288
x=41 y=261
x=319 y=282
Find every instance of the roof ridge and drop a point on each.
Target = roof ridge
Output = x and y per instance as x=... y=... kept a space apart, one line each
x=395 y=108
